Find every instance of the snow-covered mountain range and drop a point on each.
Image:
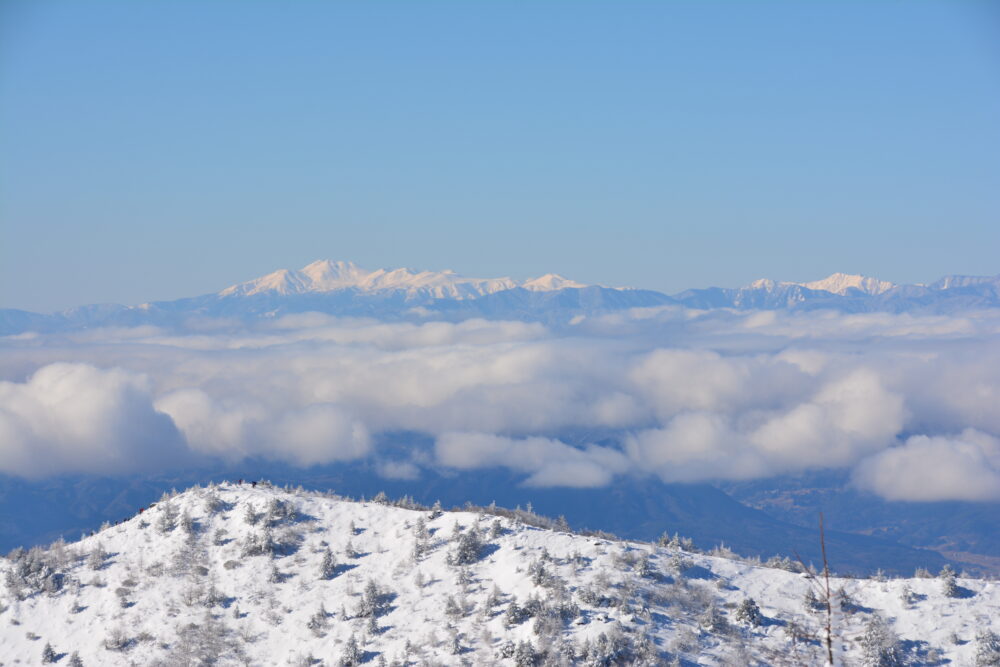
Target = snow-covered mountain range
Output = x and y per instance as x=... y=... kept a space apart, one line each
x=234 y=575
x=345 y=289
x=328 y=276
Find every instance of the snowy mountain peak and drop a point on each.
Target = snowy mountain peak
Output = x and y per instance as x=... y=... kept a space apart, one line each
x=763 y=283
x=327 y=276
x=840 y=283
x=550 y=282
x=837 y=283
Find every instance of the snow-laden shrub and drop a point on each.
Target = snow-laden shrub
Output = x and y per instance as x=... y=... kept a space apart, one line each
x=32 y=572
x=117 y=640
x=987 y=649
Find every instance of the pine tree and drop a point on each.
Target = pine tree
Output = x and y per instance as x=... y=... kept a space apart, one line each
x=317 y=622
x=748 y=612
x=514 y=614
x=49 y=654
x=97 y=557
x=328 y=568
x=468 y=548
x=187 y=523
x=879 y=645
x=451 y=608
x=167 y=520
x=250 y=516
x=524 y=655
x=352 y=654
x=949 y=586
x=74 y=660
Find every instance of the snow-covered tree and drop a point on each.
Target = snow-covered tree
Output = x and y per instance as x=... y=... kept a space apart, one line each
x=451 y=608
x=468 y=548
x=328 y=567
x=879 y=645
x=49 y=654
x=371 y=601
x=351 y=655
x=250 y=515
x=524 y=654
x=167 y=519
x=949 y=585
x=97 y=557
x=748 y=612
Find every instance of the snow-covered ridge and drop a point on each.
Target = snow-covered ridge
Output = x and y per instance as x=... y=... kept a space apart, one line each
x=837 y=283
x=233 y=575
x=327 y=276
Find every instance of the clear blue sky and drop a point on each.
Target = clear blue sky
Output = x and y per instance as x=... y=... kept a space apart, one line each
x=153 y=150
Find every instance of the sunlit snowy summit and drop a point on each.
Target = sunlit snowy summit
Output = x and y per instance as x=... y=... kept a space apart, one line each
x=241 y=575
x=327 y=275
x=837 y=283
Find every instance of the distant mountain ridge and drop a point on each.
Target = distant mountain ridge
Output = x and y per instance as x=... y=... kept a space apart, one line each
x=328 y=276
x=345 y=289
x=852 y=293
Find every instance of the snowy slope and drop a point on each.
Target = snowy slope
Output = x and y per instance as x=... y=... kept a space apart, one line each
x=181 y=584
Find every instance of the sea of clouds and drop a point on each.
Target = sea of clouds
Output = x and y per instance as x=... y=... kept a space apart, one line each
x=908 y=403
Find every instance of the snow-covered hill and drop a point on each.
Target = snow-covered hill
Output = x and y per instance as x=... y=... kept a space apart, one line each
x=262 y=576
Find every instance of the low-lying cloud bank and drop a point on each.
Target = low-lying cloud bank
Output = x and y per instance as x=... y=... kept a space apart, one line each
x=909 y=403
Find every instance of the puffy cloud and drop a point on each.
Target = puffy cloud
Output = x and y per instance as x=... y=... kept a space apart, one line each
x=966 y=467
x=549 y=462
x=846 y=419
x=316 y=433
x=695 y=446
x=76 y=417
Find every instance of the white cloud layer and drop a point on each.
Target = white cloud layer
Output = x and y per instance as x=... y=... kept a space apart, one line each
x=75 y=417
x=685 y=395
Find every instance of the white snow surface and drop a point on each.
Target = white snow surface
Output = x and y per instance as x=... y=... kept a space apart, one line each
x=189 y=596
x=327 y=276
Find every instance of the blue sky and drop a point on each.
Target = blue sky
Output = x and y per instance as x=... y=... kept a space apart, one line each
x=163 y=149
